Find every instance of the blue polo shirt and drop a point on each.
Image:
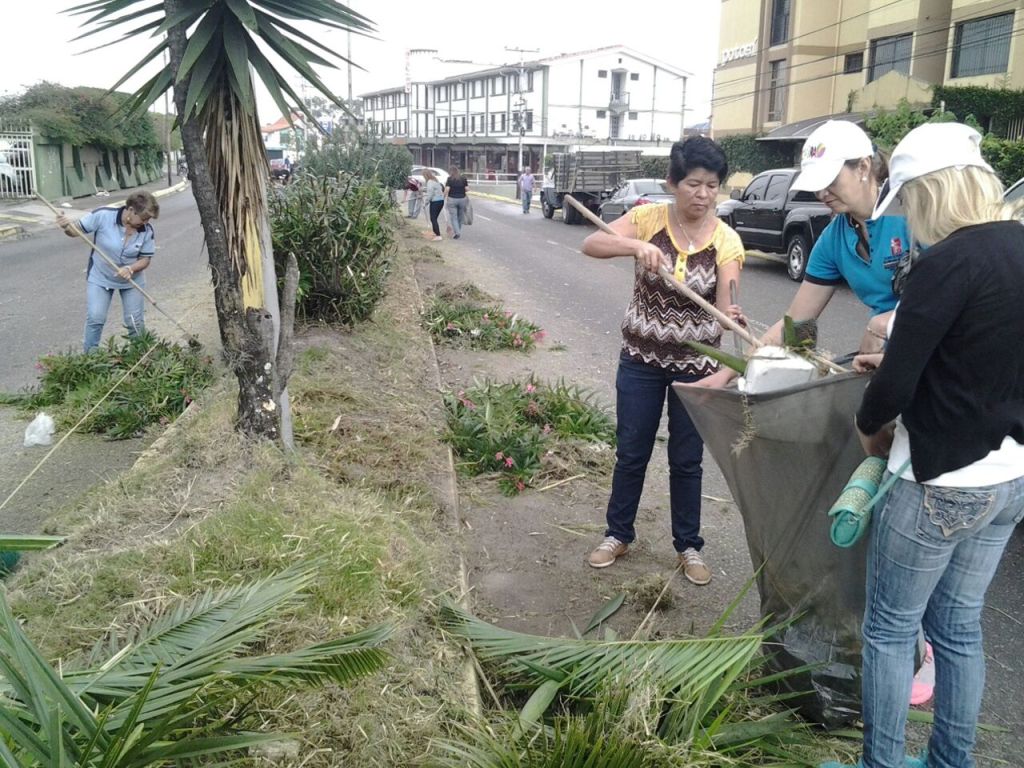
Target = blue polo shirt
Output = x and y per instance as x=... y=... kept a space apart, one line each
x=109 y=235
x=834 y=259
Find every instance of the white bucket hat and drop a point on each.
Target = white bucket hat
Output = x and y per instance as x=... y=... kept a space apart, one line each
x=926 y=149
x=825 y=151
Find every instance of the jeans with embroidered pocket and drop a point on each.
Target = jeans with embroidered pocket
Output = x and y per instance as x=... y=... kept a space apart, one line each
x=933 y=553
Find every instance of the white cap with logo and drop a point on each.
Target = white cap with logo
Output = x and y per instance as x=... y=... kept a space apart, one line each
x=825 y=151
x=926 y=149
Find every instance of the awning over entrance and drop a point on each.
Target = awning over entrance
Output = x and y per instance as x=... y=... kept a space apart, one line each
x=800 y=130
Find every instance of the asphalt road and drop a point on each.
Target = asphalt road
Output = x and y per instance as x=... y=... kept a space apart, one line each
x=535 y=265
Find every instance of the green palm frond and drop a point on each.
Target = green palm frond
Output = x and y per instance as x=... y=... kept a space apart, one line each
x=695 y=670
x=164 y=694
x=13 y=542
x=226 y=37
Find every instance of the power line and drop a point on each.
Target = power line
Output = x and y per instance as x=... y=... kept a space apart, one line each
x=920 y=33
x=725 y=100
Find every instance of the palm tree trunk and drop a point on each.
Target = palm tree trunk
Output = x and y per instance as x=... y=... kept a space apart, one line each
x=247 y=332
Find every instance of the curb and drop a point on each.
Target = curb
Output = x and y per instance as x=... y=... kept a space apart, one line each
x=171 y=190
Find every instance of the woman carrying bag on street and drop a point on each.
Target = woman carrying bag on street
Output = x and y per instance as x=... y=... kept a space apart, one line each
x=455 y=200
x=433 y=193
x=948 y=394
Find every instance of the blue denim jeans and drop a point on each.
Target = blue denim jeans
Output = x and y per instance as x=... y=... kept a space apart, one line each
x=527 y=197
x=97 y=304
x=640 y=392
x=457 y=213
x=932 y=555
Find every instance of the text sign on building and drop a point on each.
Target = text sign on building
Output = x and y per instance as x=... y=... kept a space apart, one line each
x=740 y=52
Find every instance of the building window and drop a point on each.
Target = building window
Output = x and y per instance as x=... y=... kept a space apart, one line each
x=478 y=88
x=633 y=115
x=529 y=81
x=982 y=46
x=497 y=86
x=602 y=73
x=442 y=125
x=780 y=21
x=776 y=90
x=601 y=114
x=889 y=53
x=403 y=127
x=634 y=75
x=529 y=119
x=854 y=63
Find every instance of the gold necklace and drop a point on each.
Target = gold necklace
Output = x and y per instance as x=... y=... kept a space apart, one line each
x=679 y=221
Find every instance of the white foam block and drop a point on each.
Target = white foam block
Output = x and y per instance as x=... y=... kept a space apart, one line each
x=772 y=368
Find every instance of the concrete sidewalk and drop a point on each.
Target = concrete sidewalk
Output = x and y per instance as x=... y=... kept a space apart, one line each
x=24 y=216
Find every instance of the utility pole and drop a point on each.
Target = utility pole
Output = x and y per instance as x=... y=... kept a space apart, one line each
x=520 y=120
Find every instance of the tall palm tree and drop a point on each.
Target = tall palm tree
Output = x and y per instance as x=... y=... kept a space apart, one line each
x=213 y=46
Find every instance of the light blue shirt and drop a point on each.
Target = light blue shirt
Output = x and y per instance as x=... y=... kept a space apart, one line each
x=834 y=259
x=109 y=236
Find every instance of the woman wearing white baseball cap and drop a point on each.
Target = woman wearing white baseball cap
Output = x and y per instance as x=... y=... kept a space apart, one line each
x=948 y=394
x=840 y=165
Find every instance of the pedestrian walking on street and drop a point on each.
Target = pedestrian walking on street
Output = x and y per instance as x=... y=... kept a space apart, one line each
x=456 y=200
x=433 y=193
x=127 y=237
x=946 y=399
x=707 y=255
x=526 y=188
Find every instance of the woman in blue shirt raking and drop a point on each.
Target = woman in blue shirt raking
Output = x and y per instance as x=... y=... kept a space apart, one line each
x=125 y=235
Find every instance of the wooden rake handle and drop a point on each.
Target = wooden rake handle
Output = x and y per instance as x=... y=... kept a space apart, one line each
x=724 y=320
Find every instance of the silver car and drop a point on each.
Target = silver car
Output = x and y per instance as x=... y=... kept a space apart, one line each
x=634 y=192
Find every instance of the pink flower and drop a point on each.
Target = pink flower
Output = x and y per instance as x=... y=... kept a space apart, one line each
x=486 y=317
x=450 y=327
x=499 y=456
x=530 y=389
x=509 y=461
x=547 y=429
x=539 y=335
x=519 y=485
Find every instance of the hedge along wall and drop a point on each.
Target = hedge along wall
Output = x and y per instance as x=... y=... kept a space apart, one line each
x=994 y=108
x=745 y=153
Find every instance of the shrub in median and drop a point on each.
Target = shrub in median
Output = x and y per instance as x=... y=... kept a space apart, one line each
x=341 y=231
x=524 y=430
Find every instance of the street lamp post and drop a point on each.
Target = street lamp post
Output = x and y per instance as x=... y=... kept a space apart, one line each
x=521 y=100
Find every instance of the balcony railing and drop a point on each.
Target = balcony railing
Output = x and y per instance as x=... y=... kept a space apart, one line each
x=618 y=101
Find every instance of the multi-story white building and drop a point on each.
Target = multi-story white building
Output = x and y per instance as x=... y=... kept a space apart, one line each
x=478 y=120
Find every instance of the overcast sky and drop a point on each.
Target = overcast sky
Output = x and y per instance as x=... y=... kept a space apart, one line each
x=682 y=33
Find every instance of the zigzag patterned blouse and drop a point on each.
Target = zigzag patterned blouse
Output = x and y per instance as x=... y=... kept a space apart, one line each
x=658 y=317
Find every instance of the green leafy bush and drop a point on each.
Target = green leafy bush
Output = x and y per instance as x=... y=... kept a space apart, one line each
x=993 y=108
x=157 y=391
x=361 y=154
x=654 y=167
x=341 y=231
x=521 y=430
x=81 y=116
x=458 y=316
x=745 y=153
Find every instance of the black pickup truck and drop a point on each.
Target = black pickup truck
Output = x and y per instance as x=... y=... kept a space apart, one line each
x=769 y=217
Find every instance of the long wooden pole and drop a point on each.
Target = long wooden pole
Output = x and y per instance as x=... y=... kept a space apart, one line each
x=116 y=267
x=696 y=298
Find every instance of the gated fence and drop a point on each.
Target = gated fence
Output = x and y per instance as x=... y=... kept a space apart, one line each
x=17 y=164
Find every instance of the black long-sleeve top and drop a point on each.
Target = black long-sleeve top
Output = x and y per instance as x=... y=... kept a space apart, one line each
x=954 y=364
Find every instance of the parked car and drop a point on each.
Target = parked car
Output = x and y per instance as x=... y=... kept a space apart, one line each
x=417 y=173
x=634 y=192
x=770 y=217
x=8 y=176
x=1014 y=192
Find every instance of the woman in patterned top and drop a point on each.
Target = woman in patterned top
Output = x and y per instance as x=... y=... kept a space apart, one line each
x=704 y=253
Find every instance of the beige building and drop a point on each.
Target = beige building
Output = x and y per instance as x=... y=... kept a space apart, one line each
x=783 y=62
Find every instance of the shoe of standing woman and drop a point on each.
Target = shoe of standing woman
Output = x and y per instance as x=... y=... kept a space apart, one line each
x=607 y=552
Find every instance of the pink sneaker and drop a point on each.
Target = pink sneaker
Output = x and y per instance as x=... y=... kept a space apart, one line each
x=924 y=681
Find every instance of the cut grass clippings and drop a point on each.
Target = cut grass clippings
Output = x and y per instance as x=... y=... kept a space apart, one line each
x=211 y=509
x=523 y=431
x=465 y=316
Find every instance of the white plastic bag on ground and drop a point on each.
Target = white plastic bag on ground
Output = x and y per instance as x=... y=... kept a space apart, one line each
x=40 y=431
